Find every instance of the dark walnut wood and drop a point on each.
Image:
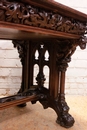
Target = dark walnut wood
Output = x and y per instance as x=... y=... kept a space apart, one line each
x=43 y=27
x=19 y=13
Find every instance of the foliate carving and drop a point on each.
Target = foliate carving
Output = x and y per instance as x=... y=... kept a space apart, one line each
x=16 y=12
x=62 y=66
x=21 y=47
x=65 y=49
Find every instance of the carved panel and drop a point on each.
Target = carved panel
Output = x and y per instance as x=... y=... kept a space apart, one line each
x=16 y=12
x=40 y=48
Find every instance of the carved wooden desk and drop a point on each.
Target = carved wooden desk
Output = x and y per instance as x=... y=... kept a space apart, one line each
x=42 y=25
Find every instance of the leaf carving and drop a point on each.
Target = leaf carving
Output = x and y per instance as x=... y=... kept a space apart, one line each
x=17 y=12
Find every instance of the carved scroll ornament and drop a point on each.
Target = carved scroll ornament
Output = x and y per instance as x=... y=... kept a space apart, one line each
x=16 y=12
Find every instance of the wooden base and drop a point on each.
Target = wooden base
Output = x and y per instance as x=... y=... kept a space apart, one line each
x=58 y=105
x=58 y=53
x=57 y=62
x=19 y=99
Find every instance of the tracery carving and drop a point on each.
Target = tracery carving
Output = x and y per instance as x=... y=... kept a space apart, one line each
x=17 y=12
x=40 y=77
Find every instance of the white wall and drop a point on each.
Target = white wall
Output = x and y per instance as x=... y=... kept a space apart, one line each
x=10 y=66
x=80 y=5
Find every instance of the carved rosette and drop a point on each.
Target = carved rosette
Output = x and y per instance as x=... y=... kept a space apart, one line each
x=17 y=12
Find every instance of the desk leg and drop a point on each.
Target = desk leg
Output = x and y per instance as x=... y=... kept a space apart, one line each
x=59 y=56
x=55 y=97
x=64 y=118
x=58 y=104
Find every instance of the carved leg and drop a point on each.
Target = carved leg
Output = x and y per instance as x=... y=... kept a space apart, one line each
x=64 y=118
x=57 y=62
x=54 y=97
x=59 y=104
x=60 y=107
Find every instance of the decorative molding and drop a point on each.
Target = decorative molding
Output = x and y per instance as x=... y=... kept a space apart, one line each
x=17 y=12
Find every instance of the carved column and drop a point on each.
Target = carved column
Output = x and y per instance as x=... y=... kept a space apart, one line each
x=63 y=57
x=64 y=118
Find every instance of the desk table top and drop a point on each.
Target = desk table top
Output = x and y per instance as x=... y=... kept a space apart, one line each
x=28 y=19
x=58 y=8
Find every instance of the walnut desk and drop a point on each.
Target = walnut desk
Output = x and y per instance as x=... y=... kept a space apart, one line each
x=42 y=26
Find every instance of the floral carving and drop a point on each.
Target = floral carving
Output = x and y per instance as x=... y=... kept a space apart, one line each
x=17 y=12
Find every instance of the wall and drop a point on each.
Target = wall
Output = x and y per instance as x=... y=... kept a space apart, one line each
x=10 y=66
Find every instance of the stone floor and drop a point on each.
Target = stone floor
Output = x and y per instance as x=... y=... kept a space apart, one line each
x=34 y=117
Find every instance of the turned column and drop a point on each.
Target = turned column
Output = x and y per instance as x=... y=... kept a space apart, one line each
x=61 y=78
x=62 y=82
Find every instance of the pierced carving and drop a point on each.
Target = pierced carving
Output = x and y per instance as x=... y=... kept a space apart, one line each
x=40 y=77
x=36 y=55
x=17 y=12
x=46 y=56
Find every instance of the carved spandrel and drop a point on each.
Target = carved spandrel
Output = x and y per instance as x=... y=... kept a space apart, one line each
x=21 y=47
x=16 y=12
x=65 y=49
